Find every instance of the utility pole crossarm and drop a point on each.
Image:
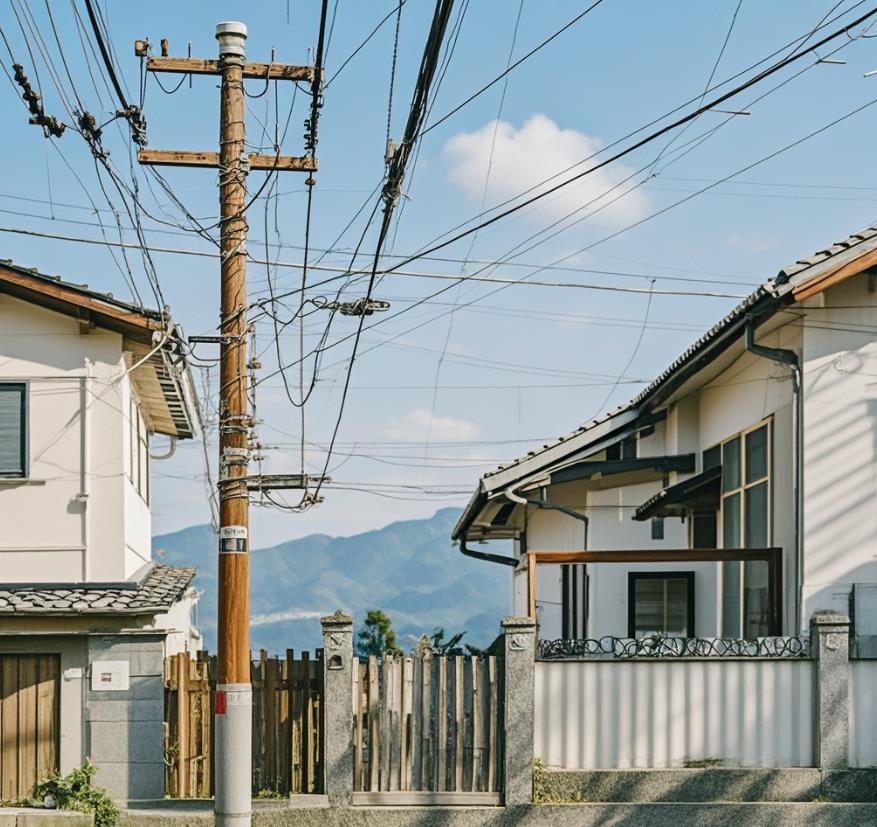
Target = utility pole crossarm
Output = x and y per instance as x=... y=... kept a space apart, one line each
x=285 y=482
x=185 y=158
x=251 y=71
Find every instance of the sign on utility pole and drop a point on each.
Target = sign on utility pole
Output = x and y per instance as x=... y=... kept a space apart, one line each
x=233 y=709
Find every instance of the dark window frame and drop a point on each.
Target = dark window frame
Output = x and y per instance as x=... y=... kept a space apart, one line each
x=25 y=432
x=633 y=576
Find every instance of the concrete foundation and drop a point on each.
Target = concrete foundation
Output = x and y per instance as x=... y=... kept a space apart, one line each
x=530 y=815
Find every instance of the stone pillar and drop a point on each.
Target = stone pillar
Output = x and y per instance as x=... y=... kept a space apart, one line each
x=519 y=664
x=338 y=706
x=830 y=645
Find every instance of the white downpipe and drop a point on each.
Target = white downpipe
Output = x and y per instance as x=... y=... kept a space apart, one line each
x=84 y=487
x=171 y=450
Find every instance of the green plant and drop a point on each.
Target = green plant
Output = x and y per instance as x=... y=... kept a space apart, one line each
x=76 y=792
x=376 y=637
x=267 y=792
x=540 y=779
x=704 y=763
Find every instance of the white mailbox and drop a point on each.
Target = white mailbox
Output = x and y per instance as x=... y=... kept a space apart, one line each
x=109 y=675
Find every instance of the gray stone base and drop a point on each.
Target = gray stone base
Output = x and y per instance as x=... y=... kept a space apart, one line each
x=566 y=815
x=27 y=817
x=705 y=785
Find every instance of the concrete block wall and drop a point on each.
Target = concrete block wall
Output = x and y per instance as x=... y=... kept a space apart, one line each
x=125 y=729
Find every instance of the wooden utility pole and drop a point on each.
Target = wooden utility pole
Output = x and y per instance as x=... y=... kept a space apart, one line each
x=233 y=710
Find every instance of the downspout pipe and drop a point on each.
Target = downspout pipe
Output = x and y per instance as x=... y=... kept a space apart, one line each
x=512 y=495
x=484 y=555
x=790 y=359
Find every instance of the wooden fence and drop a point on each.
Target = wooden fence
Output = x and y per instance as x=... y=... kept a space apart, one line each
x=30 y=703
x=428 y=729
x=287 y=724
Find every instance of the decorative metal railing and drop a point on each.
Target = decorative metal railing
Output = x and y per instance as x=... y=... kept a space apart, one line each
x=674 y=647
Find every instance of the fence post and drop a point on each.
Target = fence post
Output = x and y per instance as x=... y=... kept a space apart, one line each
x=830 y=645
x=519 y=664
x=338 y=708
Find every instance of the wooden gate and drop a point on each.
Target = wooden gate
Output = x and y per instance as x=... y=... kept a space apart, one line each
x=427 y=729
x=287 y=724
x=30 y=709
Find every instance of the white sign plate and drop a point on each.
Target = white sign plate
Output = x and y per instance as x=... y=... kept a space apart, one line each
x=109 y=676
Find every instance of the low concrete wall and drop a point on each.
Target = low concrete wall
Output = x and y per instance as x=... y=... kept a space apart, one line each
x=21 y=817
x=532 y=815
x=707 y=785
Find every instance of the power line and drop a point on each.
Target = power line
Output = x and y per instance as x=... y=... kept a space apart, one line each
x=646 y=140
x=800 y=39
x=395 y=174
x=512 y=67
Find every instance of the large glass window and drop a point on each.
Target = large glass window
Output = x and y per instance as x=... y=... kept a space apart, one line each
x=660 y=604
x=13 y=429
x=746 y=524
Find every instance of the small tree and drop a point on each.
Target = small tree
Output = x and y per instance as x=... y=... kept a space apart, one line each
x=376 y=637
x=437 y=645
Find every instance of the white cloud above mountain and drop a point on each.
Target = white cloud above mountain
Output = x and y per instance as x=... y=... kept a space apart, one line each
x=525 y=157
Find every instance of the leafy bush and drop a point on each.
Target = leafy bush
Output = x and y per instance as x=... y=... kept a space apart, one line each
x=75 y=792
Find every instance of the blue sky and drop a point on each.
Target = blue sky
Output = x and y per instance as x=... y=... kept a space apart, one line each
x=524 y=363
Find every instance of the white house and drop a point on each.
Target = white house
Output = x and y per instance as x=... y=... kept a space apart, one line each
x=733 y=496
x=86 y=616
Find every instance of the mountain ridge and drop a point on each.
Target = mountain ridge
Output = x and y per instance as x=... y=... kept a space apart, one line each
x=408 y=568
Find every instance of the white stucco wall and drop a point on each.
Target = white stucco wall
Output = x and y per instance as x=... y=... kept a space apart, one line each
x=748 y=391
x=840 y=455
x=74 y=519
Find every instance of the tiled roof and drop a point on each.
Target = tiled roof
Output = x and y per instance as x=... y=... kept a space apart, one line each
x=804 y=269
x=157 y=592
x=82 y=289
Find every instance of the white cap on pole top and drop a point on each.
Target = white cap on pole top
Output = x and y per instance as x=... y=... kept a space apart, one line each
x=231 y=36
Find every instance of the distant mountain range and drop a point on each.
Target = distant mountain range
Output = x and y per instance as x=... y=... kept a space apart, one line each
x=408 y=569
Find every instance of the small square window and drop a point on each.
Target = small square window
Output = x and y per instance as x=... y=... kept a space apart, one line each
x=660 y=604
x=658 y=528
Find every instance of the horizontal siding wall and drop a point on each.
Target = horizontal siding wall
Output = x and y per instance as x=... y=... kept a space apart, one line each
x=863 y=713
x=623 y=714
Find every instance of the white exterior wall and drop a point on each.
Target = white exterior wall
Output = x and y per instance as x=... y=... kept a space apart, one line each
x=613 y=528
x=749 y=390
x=650 y=714
x=840 y=454
x=179 y=624
x=74 y=519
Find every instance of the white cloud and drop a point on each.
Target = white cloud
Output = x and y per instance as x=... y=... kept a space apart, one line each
x=279 y=617
x=415 y=425
x=525 y=157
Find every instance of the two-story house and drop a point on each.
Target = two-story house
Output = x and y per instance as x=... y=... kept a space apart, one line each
x=86 y=616
x=732 y=497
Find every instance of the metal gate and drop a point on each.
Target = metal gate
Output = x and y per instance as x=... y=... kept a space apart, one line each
x=30 y=711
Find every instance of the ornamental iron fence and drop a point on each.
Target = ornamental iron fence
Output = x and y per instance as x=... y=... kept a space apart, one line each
x=610 y=647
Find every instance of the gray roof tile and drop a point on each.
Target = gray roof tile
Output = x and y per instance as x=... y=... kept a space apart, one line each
x=157 y=592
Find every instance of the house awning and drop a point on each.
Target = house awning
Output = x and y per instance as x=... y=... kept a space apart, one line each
x=702 y=491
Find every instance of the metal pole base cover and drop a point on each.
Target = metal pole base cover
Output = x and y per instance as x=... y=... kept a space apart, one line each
x=233 y=714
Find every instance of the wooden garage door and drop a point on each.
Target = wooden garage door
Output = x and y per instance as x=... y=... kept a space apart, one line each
x=30 y=698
